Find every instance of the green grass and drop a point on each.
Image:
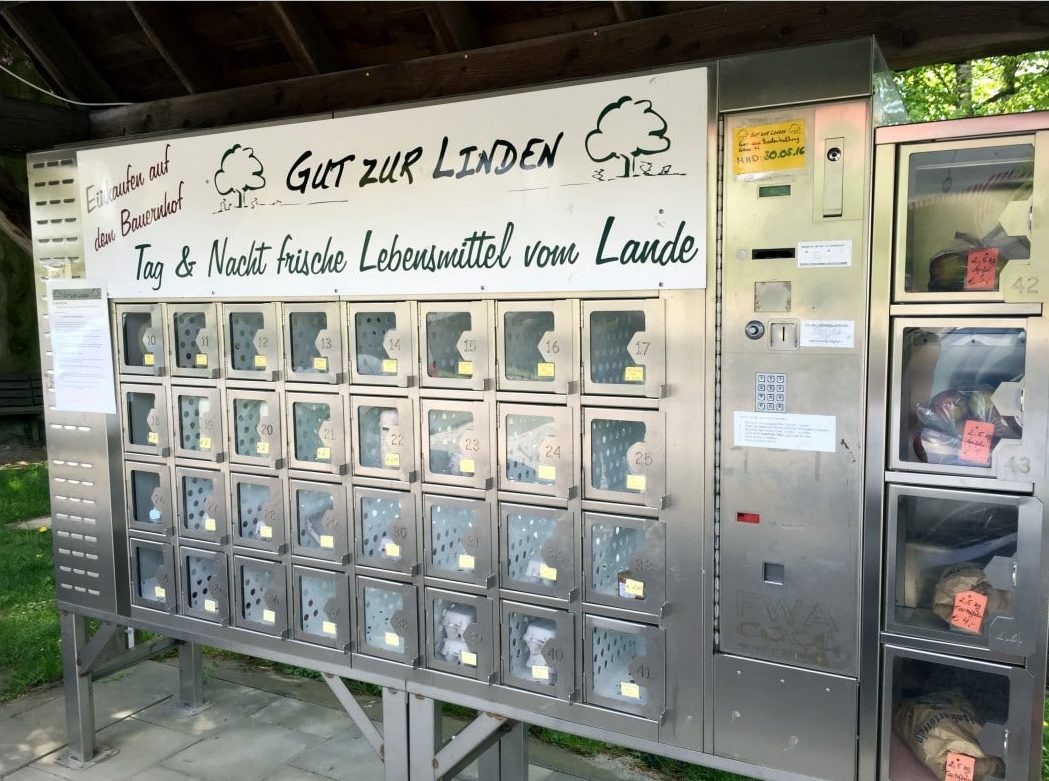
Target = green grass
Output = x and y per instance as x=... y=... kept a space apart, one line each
x=23 y=492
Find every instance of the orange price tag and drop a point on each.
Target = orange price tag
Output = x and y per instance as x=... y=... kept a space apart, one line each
x=976 y=442
x=981 y=271
x=959 y=767
x=969 y=610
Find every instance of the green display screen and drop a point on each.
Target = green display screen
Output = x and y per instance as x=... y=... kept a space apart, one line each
x=773 y=190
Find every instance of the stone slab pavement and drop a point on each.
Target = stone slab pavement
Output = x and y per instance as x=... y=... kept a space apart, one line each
x=256 y=725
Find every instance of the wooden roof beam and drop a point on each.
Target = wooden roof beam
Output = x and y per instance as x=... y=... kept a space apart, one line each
x=165 y=32
x=28 y=125
x=454 y=26
x=53 y=48
x=306 y=40
x=632 y=10
x=14 y=213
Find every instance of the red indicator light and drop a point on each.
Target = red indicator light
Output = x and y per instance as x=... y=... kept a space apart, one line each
x=748 y=518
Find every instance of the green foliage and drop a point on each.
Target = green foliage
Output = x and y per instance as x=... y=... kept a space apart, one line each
x=23 y=493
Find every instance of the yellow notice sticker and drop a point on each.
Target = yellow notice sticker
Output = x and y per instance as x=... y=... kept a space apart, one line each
x=466 y=368
x=547 y=573
x=205 y=443
x=629 y=689
x=209 y=524
x=159 y=592
x=392 y=638
x=546 y=472
x=467 y=466
x=324 y=454
x=201 y=359
x=775 y=147
x=634 y=374
x=149 y=359
x=467 y=562
x=635 y=482
x=327 y=541
x=392 y=460
x=329 y=628
x=268 y=616
x=469 y=658
x=540 y=672
x=266 y=532
x=320 y=364
x=389 y=365
x=392 y=550
x=153 y=438
x=544 y=370
x=211 y=606
x=260 y=361
x=634 y=588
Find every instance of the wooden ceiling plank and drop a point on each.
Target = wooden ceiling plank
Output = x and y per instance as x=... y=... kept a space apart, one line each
x=166 y=33
x=909 y=34
x=28 y=125
x=48 y=42
x=453 y=25
x=304 y=37
x=632 y=10
x=14 y=213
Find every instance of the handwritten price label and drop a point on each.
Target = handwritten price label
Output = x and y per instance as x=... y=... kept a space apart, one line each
x=547 y=573
x=149 y=359
x=266 y=532
x=211 y=606
x=959 y=767
x=201 y=359
x=632 y=588
x=153 y=438
x=324 y=454
x=634 y=374
x=540 y=672
x=630 y=689
x=320 y=364
x=981 y=270
x=546 y=472
x=635 y=482
x=392 y=460
x=976 y=442
x=466 y=368
x=389 y=366
x=392 y=639
x=329 y=628
x=969 y=610
x=467 y=562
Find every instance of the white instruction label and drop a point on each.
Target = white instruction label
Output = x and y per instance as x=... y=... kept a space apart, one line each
x=828 y=333
x=78 y=314
x=785 y=432
x=824 y=253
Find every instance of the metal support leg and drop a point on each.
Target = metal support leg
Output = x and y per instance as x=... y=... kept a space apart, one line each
x=395 y=744
x=424 y=724
x=190 y=675
x=507 y=760
x=80 y=705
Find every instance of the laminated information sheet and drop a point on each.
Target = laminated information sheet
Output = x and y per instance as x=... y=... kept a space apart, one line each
x=81 y=345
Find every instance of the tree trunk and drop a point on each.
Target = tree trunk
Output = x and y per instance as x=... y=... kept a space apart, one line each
x=963 y=85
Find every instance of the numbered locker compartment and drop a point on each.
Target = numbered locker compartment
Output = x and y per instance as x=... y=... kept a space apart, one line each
x=202 y=512
x=150 y=507
x=386 y=530
x=624 y=562
x=624 y=456
x=456 y=443
x=461 y=634
x=194 y=340
x=539 y=649
x=383 y=437
x=538 y=550
x=255 y=422
x=153 y=575
x=960 y=391
x=320 y=525
x=145 y=425
x=258 y=510
x=456 y=351
x=624 y=351
x=318 y=432
x=537 y=445
x=198 y=429
x=946 y=717
x=625 y=667
x=322 y=607
x=965 y=568
x=140 y=339
x=252 y=341
x=204 y=588
x=262 y=595
x=458 y=540
x=388 y=620
x=537 y=347
x=965 y=220
x=382 y=344
x=313 y=335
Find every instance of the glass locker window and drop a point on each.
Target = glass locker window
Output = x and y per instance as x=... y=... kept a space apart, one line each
x=305 y=329
x=149 y=505
x=321 y=607
x=320 y=520
x=383 y=439
x=617 y=660
x=198 y=423
x=523 y=346
x=612 y=441
x=960 y=393
x=245 y=355
x=539 y=554
x=387 y=530
x=610 y=360
x=258 y=517
x=445 y=358
x=263 y=596
x=451 y=620
x=387 y=620
x=967 y=216
x=314 y=431
x=538 y=651
x=202 y=506
x=206 y=591
x=537 y=450
x=145 y=421
x=624 y=562
x=143 y=346
x=375 y=356
x=257 y=431
x=154 y=581
x=459 y=539
x=195 y=345
x=447 y=454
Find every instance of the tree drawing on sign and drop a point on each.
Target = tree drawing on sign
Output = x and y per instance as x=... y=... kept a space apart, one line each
x=627 y=129
x=239 y=172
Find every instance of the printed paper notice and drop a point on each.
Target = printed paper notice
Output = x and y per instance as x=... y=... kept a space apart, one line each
x=828 y=333
x=825 y=254
x=83 y=353
x=785 y=432
x=759 y=149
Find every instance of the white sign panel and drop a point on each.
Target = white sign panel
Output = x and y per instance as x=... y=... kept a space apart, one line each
x=598 y=186
x=81 y=347
x=828 y=333
x=785 y=432
x=815 y=254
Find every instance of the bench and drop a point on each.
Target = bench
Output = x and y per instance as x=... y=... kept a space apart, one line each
x=22 y=395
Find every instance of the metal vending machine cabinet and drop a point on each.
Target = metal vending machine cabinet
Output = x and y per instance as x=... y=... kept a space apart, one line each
x=957 y=476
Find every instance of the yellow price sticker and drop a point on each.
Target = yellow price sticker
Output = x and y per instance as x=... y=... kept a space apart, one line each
x=329 y=628
x=211 y=606
x=389 y=365
x=392 y=460
x=777 y=146
x=262 y=448
x=634 y=374
x=320 y=364
x=260 y=361
x=635 y=482
x=324 y=454
x=265 y=532
x=547 y=573
x=327 y=541
x=201 y=359
x=546 y=472
x=544 y=370
x=209 y=524
x=153 y=438
x=466 y=368
x=467 y=466
x=392 y=638
x=634 y=588
x=540 y=672
x=149 y=359
x=630 y=689
x=268 y=616
x=205 y=443
x=467 y=562
x=469 y=658
x=392 y=550
x=159 y=592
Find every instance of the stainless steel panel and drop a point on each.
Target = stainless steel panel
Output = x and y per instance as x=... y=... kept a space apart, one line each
x=202 y=501
x=382 y=344
x=194 y=340
x=198 y=431
x=624 y=349
x=204 y=590
x=382 y=436
x=537 y=447
x=388 y=620
x=255 y=428
x=146 y=419
x=387 y=529
x=456 y=345
x=319 y=521
x=317 y=432
x=539 y=649
x=321 y=607
x=624 y=456
x=537 y=346
x=261 y=595
x=795 y=720
x=624 y=562
x=150 y=503
x=461 y=634
x=624 y=665
x=140 y=340
x=258 y=512
x=458 y=541
x=313 y=340
x=538 y=550
x=456 y=443
x=153 y=580
x=252 y=340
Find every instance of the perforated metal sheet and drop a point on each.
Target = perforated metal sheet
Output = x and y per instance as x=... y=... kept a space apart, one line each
x=610 y=336
x=380 y=606
x=244 y=327
x=205 y=589
x=611 y=441
x=449 y=525
x=317 y=594
x=612 y=654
